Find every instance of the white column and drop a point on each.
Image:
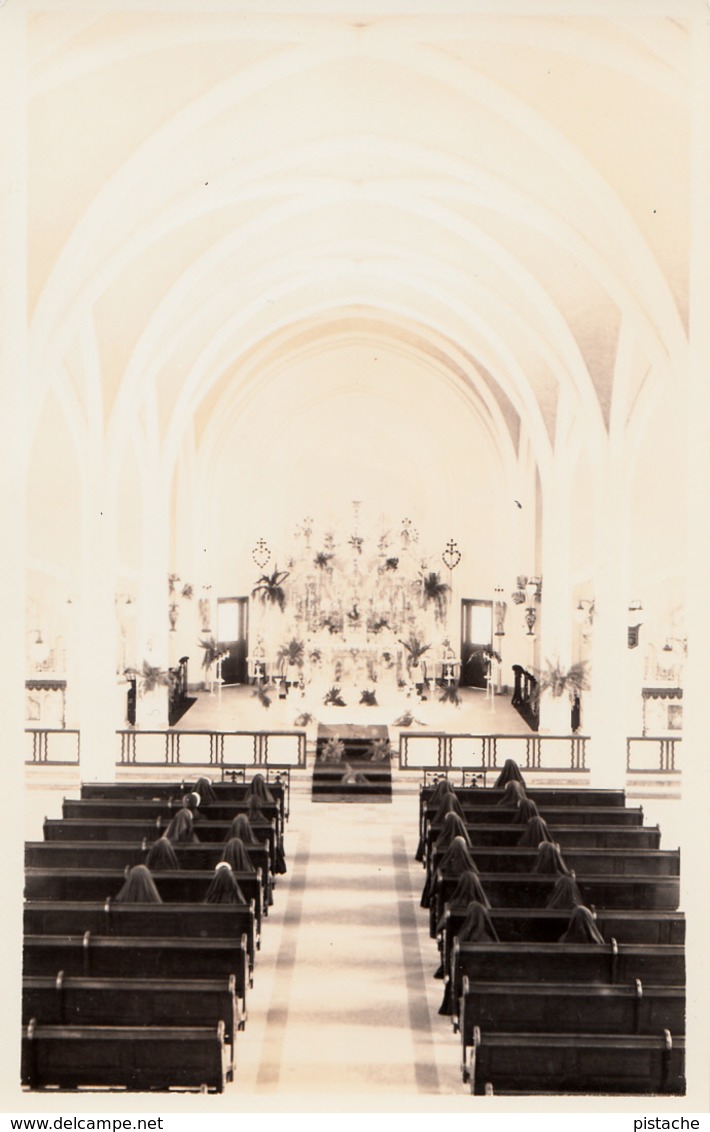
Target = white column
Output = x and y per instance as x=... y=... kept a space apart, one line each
x=605 y=717
x=96 y=636
x=555 y=611
x=13 y=378
x=695 y=847
x=153 y=624
x=13 y=464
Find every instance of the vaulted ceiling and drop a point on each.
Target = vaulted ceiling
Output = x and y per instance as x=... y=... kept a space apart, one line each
x=213 y=195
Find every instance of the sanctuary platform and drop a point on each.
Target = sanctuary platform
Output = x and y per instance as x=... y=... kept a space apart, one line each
x=352 y=764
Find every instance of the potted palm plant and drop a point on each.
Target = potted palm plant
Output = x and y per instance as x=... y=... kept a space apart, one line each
x=152 y=699
x=291 y=657
x=415 y=651
x=557 y=688
x=269 y=589
x=434 y=592
x=212 y=652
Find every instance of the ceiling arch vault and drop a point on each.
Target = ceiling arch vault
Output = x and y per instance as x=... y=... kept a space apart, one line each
x=474 y=222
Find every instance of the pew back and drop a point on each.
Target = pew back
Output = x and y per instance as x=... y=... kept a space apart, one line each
x=576 y=1063
x=135 y=1058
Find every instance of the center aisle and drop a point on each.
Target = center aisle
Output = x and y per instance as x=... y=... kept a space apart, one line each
x=344 y=1000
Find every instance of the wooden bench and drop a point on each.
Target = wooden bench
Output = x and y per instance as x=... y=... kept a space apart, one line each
x=532 y=890
x=525 y=1064
x=505 y=834
x=150 y=957
x=120 y=829
x=197 y=921
x=122 y=854
x=589 y=862
x=605 y=963
x=546 y=925
x=175 y=792
x=184 y=886
x=150 y=808
x=133 y=1058
x=553 y=815
x=542 y=796
x=630 y=1008
x=59 y=1000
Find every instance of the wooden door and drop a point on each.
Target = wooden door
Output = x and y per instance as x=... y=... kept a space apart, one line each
x=476 y=634
x=233 y=634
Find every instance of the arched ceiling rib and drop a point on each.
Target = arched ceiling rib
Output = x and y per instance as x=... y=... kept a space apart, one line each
x=455 y=173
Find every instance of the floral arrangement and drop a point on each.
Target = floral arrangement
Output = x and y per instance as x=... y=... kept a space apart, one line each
x=333 y=697
x=380 y=750
x=407 y=720
x=332 y=623
x=332 y=750
x=303 y=719
x=376 y=624
x=150 y=677
x=558 y=680
x=367 y=696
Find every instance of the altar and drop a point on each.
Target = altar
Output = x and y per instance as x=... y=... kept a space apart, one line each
x=368 y=612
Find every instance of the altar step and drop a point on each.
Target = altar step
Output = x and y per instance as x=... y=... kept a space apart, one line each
x=355 y=776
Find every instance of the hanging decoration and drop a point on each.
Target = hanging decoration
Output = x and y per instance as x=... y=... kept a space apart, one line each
x=261 y=554
x=451 y=555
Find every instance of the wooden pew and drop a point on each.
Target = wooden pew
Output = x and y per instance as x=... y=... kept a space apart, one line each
x=134 y=1058
x=589 y=862
x=120 y=829
x=532 y=890
x=122 y=854
x=150 y=808
x=175 y=791
x=630 y=1008
x=106 y=918
x=549 y=795
x=543 y=796
x=604 y=963
x=553 y=815
x=505 y=834
x=149 y=957
x=59 y=1000
x=546 y=925
x=184 y=886
x=525 y=1064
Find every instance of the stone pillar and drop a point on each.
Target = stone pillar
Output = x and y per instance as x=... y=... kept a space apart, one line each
x=555 y=610
x=605 y=713
x=14 y=394
x=153 y=624
x=96 y=637
x=695 y=847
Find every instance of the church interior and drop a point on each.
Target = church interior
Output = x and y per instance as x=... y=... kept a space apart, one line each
x=354 y=364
